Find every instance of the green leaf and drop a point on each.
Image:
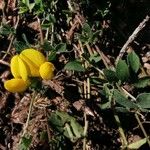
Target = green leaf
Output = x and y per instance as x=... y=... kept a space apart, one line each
x=26 y=2
x=57 y=119
x=133 y=61
x=143 y=100
x=61 y=47
x=31 y=6
x=19 y=46
x=36 y=83
x=136 y=145
x=95 y=57
x=122 y=110
x=74 y=66
x=23 y=9
x=46 y=25
x=52 y=56
x=106 y=105
x=67 y=125
x=142 y=82
x=77 y=128
x=68 y=132
x=122 y=71
x=123 y=101
x=52 y=18
x=97 y=80
x=47 y=46
x=6 y=29
x=87 y=29
x=26 y=40
x=110 y=75
x=25 y=143
x=94 y=36
x=83 y=38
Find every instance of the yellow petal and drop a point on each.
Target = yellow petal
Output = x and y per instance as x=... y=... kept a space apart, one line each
x=14 y=66
x=34 y=69
x=23 y=69
x=15 y=85
x=47 y=70
x=33 y=55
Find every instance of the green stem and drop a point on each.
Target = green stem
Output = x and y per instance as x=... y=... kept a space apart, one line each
x=121 y=131
x=29 y=115
x=85 y=131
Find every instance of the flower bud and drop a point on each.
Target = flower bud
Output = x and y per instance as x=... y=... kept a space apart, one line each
x=47 y=70
x=16 y=85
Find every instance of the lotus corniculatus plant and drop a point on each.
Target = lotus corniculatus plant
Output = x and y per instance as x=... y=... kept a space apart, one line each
x=29 y=63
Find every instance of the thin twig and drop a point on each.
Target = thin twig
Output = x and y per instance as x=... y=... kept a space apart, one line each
x=40 y=29
x=105 y=60
x=88 y=88
x=52 y=35
x=142 y=128
x=4 y=63
x=89 y=49
x=132 y=37
x=127 y=93
x=69 y=6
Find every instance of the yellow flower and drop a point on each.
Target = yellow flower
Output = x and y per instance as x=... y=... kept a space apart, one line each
x=34 y=59
x=16 y=85
x=30 y=63
x=18 y=68
x=47 y=70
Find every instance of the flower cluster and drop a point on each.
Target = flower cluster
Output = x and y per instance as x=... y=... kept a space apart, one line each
x=29 y=63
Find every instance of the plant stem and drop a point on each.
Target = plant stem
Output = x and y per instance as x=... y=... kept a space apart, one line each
x=142 y=128
x=29 y=115
x=85 y=131
x=121 y=131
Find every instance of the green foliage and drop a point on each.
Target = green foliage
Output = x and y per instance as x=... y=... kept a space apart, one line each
x=6 y=29
x=137 y=144
x=66 y=125
x=110 y=75
x=95 y=57
x=122 y=71
x=35 y=84
x=47 y=46
x=60 y=48
x=49 y=20
x=25 y=143
x=26 y=5
x=123 y=101
x=74 y=66
x=134 y=61
x=143 y=100
x=87 y=35
x=54 y=50
x=142 y=82
x=19 y=46
x=52 y=56
x=104 y=9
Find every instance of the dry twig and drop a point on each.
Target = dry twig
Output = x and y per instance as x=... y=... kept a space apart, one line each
x=132 y=37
